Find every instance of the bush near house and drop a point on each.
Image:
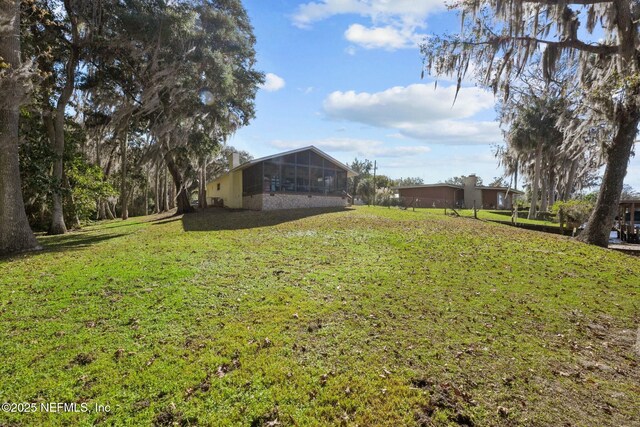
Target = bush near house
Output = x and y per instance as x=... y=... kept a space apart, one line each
x=572 y=213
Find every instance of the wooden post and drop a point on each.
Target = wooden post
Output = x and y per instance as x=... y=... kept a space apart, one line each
x=632 y=222
x=475 y=213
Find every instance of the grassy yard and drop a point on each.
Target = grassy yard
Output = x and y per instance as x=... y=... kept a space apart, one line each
x=370 y=316
x=489 y=215
x=522 y=218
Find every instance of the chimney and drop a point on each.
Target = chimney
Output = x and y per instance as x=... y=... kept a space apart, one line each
x=234 y=160
x=472 y=194
x=471 y=181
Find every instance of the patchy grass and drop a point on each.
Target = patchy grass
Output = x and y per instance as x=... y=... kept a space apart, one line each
x=489 y=215
x=370 y=316
x=522 y=218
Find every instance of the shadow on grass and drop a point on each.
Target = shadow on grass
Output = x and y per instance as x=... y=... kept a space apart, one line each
x=166 y=220
x=217 y=219
x=75 y=240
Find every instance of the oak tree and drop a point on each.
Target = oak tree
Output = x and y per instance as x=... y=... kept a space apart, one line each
x=500 y=37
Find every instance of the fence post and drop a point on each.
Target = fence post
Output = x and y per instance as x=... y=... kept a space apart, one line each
x=475 y=213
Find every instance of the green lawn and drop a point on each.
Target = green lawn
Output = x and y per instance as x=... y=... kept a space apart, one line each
x=489 y=215
x=370 y=316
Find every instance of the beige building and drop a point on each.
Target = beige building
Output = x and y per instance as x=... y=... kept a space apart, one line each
x=227 y=189
x=302 y=178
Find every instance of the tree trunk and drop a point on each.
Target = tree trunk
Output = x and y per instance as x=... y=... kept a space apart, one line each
x=202 y=193
x=544 y=190
x=171 y=199
x=57 y=215
x=552 y=188
x=124 y=202
x=568 y=186
x=182 y=199
x=163 y=189
x=146 y=191
x=100 y=212
x=104 y=209
x=57 y=219
x=533 y=210
x=15 y=233
x=155 y=190
x=108 y=211
x=72 y=203
x=599 y=226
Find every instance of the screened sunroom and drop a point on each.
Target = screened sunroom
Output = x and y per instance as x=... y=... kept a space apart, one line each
x=304 y=172
x=301 y=178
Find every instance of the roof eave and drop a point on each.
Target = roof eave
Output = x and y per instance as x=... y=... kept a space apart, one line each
x=350 y=172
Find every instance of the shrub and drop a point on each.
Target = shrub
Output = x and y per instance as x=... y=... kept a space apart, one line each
x=573 y=213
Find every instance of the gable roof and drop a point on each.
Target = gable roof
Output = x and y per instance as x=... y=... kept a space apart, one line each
x=350 y=172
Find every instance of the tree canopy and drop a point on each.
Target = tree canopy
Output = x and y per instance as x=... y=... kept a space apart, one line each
x=502 y=37
x=124 y=105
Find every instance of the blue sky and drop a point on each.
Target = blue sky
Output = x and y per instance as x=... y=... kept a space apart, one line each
x=344 y=75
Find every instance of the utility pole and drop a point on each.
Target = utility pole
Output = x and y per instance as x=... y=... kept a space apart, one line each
x=375 y=166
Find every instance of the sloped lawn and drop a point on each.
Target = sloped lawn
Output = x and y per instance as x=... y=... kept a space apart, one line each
x=370 y=316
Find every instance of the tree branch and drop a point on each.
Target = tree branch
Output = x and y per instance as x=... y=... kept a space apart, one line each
x=574 y=44
x=567 y=2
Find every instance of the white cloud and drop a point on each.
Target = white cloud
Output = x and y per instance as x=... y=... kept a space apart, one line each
x=394 y=22
x=306 y=90
x=387 y=37
x=350 y=50
x=454 y=132
x=408 y=11
x=362 y=147
x=419 y=111
x=397 y=135
x=414 y=103
x=273 y=83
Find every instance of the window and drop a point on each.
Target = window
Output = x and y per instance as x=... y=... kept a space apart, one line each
x=288 y=178
x=315 y=160
x=341 y=181
x=317 y=180
x=302 y=158
x=302 y=179
x=271 y=177
x=275 y=160
x=329 y=165
x=251 y=180
x=291 y=159
x=218 y=187
x=301 y=172
x=329 y=181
